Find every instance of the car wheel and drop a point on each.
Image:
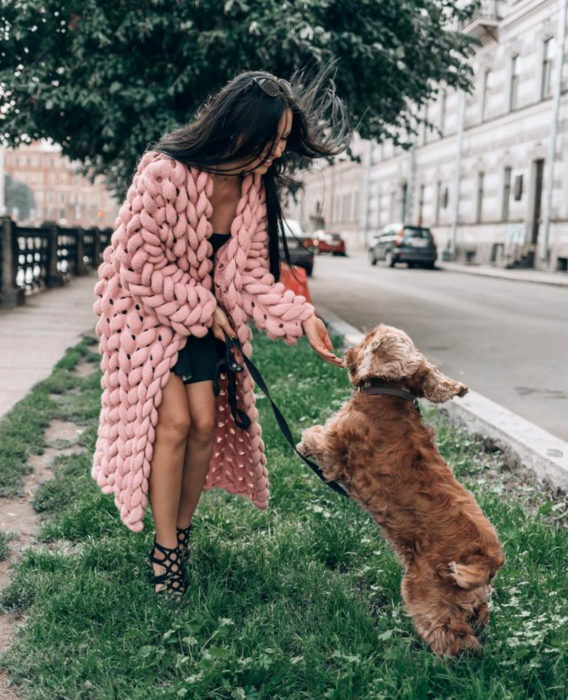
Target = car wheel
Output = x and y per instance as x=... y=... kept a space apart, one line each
x=309 y=270
x=430 y=265
x=389 y=259
x=411 y=264
x=372 y=258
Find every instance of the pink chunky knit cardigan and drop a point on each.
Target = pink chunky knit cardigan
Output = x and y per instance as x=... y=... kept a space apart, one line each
x=154 y=290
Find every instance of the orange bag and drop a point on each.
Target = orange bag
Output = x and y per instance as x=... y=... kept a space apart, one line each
x=296 y=280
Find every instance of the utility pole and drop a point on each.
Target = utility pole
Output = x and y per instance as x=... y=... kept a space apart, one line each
x=366 y=193
x=458 y=175
x=3 y=211
x=544 y=251
x=410 y=188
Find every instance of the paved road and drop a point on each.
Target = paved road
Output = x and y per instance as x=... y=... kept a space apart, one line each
x=507 y=340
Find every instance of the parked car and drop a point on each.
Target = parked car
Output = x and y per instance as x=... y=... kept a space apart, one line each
x=329 y=242
x=396 y=243
x=300 y=246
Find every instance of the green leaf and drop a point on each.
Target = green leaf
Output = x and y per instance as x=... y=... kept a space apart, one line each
x=219 y=653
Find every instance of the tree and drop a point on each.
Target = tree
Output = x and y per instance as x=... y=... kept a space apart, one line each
x=18 y=195
x=105 y=78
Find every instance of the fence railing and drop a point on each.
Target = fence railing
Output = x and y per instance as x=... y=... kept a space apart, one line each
x=37 y=258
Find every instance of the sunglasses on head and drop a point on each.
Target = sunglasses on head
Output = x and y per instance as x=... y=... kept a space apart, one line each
x=272 y=86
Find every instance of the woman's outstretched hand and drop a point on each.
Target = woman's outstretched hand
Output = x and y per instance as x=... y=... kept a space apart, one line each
x=221 y=323
x=316 y=333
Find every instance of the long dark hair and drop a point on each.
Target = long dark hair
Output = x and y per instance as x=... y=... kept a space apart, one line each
x=237 y=122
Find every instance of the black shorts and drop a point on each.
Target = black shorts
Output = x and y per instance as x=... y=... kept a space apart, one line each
x=197 y=360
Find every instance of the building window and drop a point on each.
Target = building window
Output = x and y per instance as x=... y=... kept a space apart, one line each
x=392 y=205
x=425 y=132
x=506 y=193
x=485 y=92
x=546 y=75
x=518 y=192
x=514 y=87
x=443 y=101
x=438 y=200
x=356 y=207
x=480 y=178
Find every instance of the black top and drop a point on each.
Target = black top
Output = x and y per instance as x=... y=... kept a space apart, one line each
x=217 y=240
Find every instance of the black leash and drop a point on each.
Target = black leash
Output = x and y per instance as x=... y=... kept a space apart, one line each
x=229 y=365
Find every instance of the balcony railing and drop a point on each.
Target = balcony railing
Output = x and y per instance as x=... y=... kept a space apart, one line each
x=485 y=20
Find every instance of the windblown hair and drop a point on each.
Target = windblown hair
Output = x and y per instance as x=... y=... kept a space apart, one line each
x=238 y=122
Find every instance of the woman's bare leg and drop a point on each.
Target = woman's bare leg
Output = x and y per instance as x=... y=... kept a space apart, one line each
x=199 y=447
x=167 y=464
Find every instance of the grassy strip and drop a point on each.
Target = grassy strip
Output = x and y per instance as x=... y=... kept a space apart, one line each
x=299 y=601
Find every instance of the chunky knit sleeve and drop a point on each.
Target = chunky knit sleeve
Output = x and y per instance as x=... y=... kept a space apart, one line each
x=159 y=257
x=271 y=306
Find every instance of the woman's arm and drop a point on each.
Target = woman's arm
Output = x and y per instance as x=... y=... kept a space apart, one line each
x=272 y=307
x=152 y=256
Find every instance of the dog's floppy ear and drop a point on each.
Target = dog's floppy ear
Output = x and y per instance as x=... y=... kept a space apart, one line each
x=437 y=387
x=477 y=570
x=351 y=359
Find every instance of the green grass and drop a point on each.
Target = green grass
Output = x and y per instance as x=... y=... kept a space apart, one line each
x=299 y=601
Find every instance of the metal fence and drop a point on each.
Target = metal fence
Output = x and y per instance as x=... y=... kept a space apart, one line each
x=37 y=258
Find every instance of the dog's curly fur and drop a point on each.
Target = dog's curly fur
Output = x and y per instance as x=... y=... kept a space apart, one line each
x=378 y=448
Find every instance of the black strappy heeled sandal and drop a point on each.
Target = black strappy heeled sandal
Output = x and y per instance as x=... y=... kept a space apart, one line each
x=173 y=576
x=183 y=542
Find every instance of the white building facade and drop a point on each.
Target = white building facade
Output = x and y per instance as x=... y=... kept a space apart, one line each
x=485 y=177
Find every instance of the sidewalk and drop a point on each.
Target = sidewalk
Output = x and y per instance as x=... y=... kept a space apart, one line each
x=559 y=279
x=34 y=336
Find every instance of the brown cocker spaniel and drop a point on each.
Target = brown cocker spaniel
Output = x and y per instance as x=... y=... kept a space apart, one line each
x=377 y=447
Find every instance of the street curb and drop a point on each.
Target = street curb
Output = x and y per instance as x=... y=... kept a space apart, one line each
x=524 y=445
x=537 y=278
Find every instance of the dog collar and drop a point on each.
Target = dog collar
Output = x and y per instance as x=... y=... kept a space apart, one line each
x=382 y=387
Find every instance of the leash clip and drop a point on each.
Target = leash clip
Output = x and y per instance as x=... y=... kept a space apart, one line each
x=232 y=368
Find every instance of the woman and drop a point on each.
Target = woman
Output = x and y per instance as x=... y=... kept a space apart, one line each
x=206 y=200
